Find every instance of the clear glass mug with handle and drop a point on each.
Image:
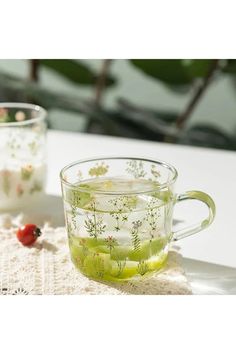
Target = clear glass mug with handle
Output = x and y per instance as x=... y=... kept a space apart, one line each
x=119 y=214
x=22 y=154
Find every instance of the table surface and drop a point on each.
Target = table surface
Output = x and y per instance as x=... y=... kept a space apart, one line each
x=212 y=171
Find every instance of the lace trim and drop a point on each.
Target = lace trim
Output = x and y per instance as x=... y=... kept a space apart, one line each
x=45 y=268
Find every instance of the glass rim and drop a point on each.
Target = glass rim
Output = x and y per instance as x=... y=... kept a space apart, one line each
x=104 y=158
x=42 y=113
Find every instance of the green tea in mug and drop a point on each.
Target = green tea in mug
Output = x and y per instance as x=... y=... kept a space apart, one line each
x=119 y=216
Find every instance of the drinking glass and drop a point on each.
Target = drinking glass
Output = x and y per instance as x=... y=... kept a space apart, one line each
x=119 y=214
x=22 y=154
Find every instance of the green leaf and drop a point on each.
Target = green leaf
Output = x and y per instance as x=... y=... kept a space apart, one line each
x=177 y=74
x=230 y=67
x=73 y=70
x=127 y=107
x=197 y=67
x=156 y=123
x=171 y=71
x=207 y=136
x=140 y=126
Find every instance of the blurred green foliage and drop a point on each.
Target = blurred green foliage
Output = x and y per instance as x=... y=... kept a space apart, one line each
x=173 y=72
x=74 y=71
x=126 y=119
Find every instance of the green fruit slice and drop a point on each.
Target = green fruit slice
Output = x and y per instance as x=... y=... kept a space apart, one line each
x=101 y=249
x=144 y=252
x=157 y=245
x=129 y=270
x=78 y=255
x=89 y=242
x=97 y=265
x=94 y=242
x=120 y=253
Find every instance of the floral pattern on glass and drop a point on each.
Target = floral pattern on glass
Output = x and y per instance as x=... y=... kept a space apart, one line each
x=136 y=168
x=123 y=206
x=26 y=172
x=100 y=169
x=94 y=225
x=115 y=231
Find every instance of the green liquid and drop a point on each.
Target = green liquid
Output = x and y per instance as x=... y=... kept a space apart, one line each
x=114 y=238
x=94 y=259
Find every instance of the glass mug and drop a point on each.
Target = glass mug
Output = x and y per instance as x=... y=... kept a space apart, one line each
x=119 y=214
x=22 y=154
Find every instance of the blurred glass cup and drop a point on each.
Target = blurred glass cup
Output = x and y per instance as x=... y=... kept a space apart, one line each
x=22 y=154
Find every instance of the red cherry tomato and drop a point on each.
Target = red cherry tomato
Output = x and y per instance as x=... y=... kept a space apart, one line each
x=28 y=234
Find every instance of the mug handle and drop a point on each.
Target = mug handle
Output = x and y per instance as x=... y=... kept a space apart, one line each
x=190 y=230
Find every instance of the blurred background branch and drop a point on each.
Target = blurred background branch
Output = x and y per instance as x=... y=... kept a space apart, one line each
x=199 y=92
x=34 y=69
x=101 y=81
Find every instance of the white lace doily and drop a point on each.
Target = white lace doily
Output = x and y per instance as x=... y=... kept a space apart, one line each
x=46 y=268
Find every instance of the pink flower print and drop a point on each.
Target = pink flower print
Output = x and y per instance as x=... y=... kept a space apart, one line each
x=111 y=242
x=3 y=114
x=19 y=190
